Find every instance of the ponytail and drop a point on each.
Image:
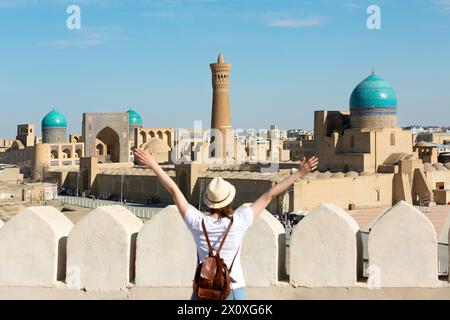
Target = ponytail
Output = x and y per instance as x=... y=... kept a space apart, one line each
x=226 y=212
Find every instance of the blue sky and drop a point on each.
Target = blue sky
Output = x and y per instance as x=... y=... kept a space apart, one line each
x=289 y=58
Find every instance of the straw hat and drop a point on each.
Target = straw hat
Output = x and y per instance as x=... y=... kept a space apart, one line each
x=219 y=194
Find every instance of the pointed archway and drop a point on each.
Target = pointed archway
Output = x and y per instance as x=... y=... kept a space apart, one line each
x=111 y=140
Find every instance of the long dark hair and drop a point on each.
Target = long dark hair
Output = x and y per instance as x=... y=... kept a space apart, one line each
x=225 y=212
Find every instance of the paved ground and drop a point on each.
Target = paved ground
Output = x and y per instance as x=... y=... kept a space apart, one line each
x=282 y=292
x=75 y=214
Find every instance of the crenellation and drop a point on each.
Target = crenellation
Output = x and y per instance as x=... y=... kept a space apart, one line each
x=33 y=248
x=165 y=252
x=111 y=250
x=101 y=250
x=403 y=249
x=325 y=249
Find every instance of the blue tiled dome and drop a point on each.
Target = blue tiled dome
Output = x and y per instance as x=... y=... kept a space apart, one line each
x=135 y=118
x=373 y=92
x=54 y=119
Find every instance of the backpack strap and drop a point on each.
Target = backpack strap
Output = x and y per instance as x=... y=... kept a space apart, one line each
x=207 y=237
x=231 y=269
x=234 y=259
x=225 y=236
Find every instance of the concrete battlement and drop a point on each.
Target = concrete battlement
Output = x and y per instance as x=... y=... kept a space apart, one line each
x=110 y=252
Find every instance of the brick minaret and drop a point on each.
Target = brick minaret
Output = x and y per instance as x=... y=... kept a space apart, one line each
x=221 y=115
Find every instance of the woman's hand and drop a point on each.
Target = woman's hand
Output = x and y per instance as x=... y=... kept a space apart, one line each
x=144 y=158
x=307 y=166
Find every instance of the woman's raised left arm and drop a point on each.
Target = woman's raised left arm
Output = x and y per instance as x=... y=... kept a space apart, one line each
x=147 y=159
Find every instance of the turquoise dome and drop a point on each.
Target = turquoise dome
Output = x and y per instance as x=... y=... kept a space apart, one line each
x=54 y=119
x=373 y=92
x=135 y=118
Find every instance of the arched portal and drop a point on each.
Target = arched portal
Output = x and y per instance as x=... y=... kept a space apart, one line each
x=67 y=153
x=111 y=140
x=168 y=138
x=99 y=150
x=112 y=130
x=143 y=137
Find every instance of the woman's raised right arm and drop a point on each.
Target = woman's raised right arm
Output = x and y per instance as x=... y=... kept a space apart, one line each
x=305 y=167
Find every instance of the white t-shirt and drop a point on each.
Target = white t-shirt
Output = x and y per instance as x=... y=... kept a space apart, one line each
x=243 y=219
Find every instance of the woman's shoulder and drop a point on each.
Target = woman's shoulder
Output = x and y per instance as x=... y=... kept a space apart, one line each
x=244 y=215
x=244 y=210
x=192 y=217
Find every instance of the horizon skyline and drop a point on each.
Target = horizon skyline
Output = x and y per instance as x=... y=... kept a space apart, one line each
x=38 y=126
x=153 y=56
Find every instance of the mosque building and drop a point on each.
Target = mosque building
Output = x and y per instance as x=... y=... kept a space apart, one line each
x=135 y=121
x=35 y=155
x=54 y=127
x=110 y=137
x=373 y=104
x=366 y=139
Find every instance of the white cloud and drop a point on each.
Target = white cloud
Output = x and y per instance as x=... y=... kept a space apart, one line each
x=81 y=43
x=442 y=5
x=18 y=3
x=27 y=3
x=296 y=23
x=87 y=37
x=163 y=14
x=353 y=6
x=189 y=1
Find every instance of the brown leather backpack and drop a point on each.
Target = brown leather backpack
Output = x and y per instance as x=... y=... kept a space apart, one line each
x=212 y=278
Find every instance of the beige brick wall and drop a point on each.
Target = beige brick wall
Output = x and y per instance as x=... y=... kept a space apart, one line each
x=364 y=191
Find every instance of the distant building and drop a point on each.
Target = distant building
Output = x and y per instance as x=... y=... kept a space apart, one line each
x=34 y=155
x=300 y=143
x=433 y=137
x=432 y=152
x=54 y=128
x=300 y=134
x=10 y=174
x=5 y=145
x=367 y=137
x=26 y=134
x=110 y=137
